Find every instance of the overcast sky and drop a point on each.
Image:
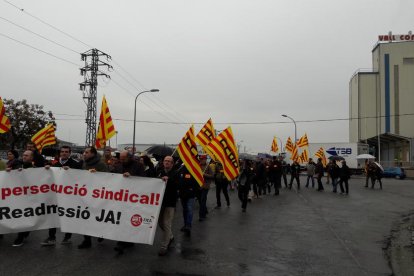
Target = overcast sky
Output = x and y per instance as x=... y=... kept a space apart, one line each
x=235 y=61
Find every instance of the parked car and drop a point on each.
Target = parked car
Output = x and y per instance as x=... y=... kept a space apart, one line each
x=396 y=172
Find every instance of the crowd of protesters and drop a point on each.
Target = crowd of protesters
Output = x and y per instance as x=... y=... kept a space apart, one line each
x=256 y=179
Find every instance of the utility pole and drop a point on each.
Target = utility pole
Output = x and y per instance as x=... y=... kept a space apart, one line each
x=89 y=87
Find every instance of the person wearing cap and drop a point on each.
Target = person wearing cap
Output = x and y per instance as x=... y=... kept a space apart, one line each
x=208 y=176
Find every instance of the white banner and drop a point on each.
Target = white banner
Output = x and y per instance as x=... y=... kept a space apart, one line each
x=98 y=204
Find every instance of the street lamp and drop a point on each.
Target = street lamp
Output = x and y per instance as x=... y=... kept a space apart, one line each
x=286 y=116
x=281 y=144
x=135 y=114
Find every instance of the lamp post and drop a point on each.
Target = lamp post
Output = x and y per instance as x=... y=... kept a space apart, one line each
x=281 y=144
x=135 y=114
x=286 y=116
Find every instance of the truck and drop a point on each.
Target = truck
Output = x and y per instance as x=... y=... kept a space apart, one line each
x=348 y=151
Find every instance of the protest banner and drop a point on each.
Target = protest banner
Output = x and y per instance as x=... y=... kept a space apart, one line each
x=98 y=204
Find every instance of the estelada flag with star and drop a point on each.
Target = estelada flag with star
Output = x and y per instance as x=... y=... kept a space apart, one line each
x=187 y=149
x=106 y=127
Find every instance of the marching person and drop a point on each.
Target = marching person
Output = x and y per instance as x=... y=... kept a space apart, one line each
x=334 y=173
x=244 y=181
x=310 y=170
x=169 y=176
x=319 y=174
x=93 y=163
x=208 y=176
x=65 y=162
x=128 y=166
x=295 y=171
x=38 y=160
x=13 y=160
x=344 y=175
x=27 y=163
x=276 y=174
x=221 y=185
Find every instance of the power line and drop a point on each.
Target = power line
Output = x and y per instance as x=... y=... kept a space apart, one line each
x=37 y=49
x=244 y=123
x=39 y=35
x=74 y=38
x=47 y=24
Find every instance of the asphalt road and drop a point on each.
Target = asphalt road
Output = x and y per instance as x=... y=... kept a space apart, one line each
x=295 y=233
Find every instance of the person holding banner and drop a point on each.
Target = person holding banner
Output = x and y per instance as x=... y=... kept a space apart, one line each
x=128 y=167
x=27 y=163
x=91 y=162
x=65 y=162
x=38 y=159
x=13 y=160
x=169 y=176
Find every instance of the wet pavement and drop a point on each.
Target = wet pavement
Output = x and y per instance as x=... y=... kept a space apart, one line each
x=305 y=233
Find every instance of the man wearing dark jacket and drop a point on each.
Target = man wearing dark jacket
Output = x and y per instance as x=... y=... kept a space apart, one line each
x=344 y=175
x=91 y=162
x=65 y=162
x=188 y=190
x=128 y=166
x=276 y=174
x=169 y=176
x=294 y=171
x=319 y=174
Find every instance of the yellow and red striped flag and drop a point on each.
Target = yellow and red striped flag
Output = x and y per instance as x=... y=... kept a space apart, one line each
x=106 y=127
x=44 y=137
x=274 y=148
x=4 y=120
x=295 y=154
x=187 y=149
x=204 y=137
x=303 y=141
x=289 y=145
x=225 y=150
x=321 y=154
x=304 y=157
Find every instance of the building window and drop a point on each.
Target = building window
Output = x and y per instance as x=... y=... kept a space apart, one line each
x=409 y=60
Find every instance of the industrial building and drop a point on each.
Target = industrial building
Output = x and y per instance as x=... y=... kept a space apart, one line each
x=381 y=101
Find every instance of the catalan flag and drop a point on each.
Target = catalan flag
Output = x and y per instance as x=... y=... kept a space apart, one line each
x=274 y=148
x=106 y=127
x=321 y=154
x=205 y=135
x=303 y=141
x=295 y=154
x=225 y=150
x=187 y=149
x=4 y=120
x=289 y=145
x=304 y=157
x=45 y=137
